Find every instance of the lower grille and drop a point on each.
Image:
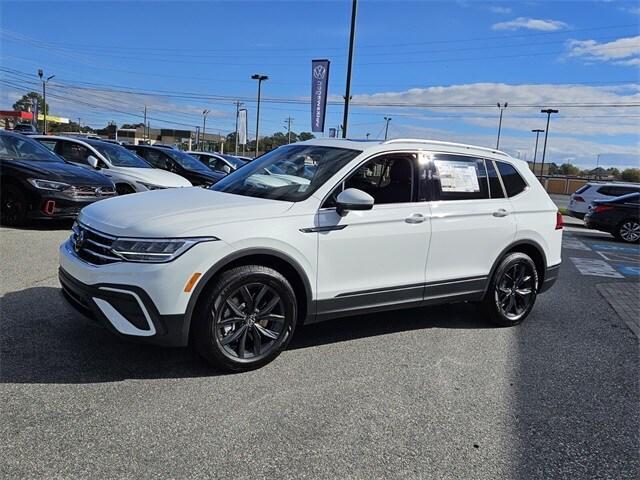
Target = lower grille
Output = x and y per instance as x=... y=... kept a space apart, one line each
x=93 y=247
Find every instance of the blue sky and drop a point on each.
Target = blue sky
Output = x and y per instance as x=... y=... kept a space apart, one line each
x=112 y=58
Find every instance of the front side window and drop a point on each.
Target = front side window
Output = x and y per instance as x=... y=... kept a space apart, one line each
x=513 y=182
x=73 y=152
x=186 y=161
x=457 y=177
x=290 y=173
x=120 y=156
x=14 y=147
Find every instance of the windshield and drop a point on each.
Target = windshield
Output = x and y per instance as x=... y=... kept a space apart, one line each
x=186 y=161
x=17 y=147
x=119 y=156
x=290 y=173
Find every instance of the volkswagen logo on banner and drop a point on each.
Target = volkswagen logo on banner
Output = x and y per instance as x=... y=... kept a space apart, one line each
x=319 y=72
x=319 y=83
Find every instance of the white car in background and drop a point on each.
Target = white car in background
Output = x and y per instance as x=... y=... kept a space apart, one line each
x=129 y=172
x=580 y=200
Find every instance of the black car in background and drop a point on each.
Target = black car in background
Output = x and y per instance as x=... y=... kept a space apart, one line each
x=618 y=216
x=38 y=184
x=25 y=129
x=219 y=162
x=178 y=162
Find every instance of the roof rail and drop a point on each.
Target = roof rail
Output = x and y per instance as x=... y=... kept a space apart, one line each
x=438 y=142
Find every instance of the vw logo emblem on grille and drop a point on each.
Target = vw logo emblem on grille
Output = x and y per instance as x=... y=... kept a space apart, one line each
x=319 y=72
x=99 y=192
x=79 y=241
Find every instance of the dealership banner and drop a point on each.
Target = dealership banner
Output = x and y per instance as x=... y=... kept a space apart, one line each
x=319 y=83
x=242 y=126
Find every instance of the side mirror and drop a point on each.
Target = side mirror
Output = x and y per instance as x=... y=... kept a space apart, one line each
x=226 y=169
x=93 y=161
x=353 y=199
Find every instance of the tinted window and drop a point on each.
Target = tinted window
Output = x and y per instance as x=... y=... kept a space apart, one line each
x=73 y=152
x=495 y=187
x=17 y=147
x=186 y=161
x=513 y=182
x=457 y=177
x=583 y=188
x=616 y=191
x=119 y=156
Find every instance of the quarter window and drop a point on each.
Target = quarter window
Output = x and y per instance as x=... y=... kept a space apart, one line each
x=457 y=177
x=513 y=182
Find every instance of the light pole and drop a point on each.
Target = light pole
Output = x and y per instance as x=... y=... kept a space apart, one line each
x=44 y=97
x=548 y=111
x=598 y=167
x=367 y=134
x=502 y=107
x=537 y=131
x=205 y=112
x=386 y=127
x=237 y=114
x=347 y=95
x=260 y=79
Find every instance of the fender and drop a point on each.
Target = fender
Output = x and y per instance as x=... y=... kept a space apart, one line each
x=222 y=263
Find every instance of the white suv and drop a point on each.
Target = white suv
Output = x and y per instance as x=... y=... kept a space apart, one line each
x=129 y=172
x=580 y=201
x=367 y=226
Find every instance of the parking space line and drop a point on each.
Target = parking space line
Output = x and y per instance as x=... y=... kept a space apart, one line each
x=594 y=267
x=574 y=244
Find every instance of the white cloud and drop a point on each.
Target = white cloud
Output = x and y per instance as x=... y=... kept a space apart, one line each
x=530 y=24
x=500 y=10
x=623 y=51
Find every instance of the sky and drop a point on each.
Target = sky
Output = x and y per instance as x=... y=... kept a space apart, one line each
x=437 y=68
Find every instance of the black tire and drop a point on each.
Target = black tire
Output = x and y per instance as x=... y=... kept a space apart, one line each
x=512 y=291
x=246 y=318
x=124 y=189
x=14 y=206
x=628 y=231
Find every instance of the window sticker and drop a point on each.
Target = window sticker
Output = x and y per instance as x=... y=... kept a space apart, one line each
x=457 y=176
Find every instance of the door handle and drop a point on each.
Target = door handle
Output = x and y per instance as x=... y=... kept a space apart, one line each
x=500 y=213
x=415 y=218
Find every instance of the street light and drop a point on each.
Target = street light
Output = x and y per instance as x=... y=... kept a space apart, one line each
x=386 y=128
x=44 y=97
x=537 y=131
x=347 y=94
x=260 y=79
x=548 y=111
x=502 y=108
x=204 y=127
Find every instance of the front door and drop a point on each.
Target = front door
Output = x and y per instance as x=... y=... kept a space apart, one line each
x=375 y=258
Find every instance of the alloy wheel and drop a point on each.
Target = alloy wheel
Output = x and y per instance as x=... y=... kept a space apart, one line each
x=630 y=231
x=251 y=322
x=515 y=291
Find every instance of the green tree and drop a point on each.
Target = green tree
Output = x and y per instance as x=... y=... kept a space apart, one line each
x=631 y=175
x=553 y=169
x=25 y=102
x=613 y=172
x=568 y=169
x=305 y=136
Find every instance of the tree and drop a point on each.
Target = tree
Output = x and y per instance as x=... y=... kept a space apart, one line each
x=553 y=169
x=631 y=175
x=568 y=169
x=132 y=126
x=24 y=104
x=613 y=172
x=305 y=136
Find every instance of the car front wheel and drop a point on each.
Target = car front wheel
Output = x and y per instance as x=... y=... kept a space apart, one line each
x=628 y=231
x=14 y=206
x=247 y=319
x=512 y=291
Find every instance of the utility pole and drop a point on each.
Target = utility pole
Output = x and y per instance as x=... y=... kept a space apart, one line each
x=44 y=97
x=537 y=131
x=204 y=126
x=260 y=78
x=367 y=134
x=288 y=125
x=347 y=95
x=386 y=127
x=502 y=108
x=79 y=126
x=597 y=167
x=237 y=114
x=548 y=111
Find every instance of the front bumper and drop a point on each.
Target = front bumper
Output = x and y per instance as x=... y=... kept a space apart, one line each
x=52 y=206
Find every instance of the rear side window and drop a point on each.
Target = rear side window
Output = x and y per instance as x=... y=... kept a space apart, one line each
x=615 y=191
x=495 y=187
x=457 y=177
x=513 y=182
x=583 y=188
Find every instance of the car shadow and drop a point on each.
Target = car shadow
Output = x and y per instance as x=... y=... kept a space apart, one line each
x=44 y=340
x=43 y=225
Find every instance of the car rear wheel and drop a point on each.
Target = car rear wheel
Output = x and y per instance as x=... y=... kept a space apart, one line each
x=512 y=291
x=14 y=206
x=628 y=231
x=247 y=318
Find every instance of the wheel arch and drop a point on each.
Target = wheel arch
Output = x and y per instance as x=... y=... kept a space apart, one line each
x=275 y=259
x=529 y=247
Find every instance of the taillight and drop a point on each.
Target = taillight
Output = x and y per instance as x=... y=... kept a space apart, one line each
x=559 y=221
x=578 y=199
x=601 y=208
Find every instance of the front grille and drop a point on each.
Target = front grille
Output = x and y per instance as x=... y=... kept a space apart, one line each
x=88 y=191
x=93 y=247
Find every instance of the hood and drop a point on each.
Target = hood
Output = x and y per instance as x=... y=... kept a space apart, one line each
x=60 y=172
x=178 y=212
x=154 y=176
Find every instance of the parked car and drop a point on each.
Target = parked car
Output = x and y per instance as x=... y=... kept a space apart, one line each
x=618 y=216
x=128 y=171
x=38 y=184
x=580 y=200
x=219 y=162
x=179 y=162
x=25 y=129
x=379 y=226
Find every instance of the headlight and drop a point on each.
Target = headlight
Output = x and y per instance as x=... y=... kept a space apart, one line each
x=49 y=185
x=151 y=186
x=154 y=250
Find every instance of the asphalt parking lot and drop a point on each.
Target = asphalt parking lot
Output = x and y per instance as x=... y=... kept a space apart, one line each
x=428 y=393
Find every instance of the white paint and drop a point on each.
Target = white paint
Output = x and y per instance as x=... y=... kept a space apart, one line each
x=573 y=244
x=595 y=267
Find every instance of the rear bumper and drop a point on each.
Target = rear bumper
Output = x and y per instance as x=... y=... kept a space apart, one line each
x=550 y=278
x=573 y=213
x=594 y=224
